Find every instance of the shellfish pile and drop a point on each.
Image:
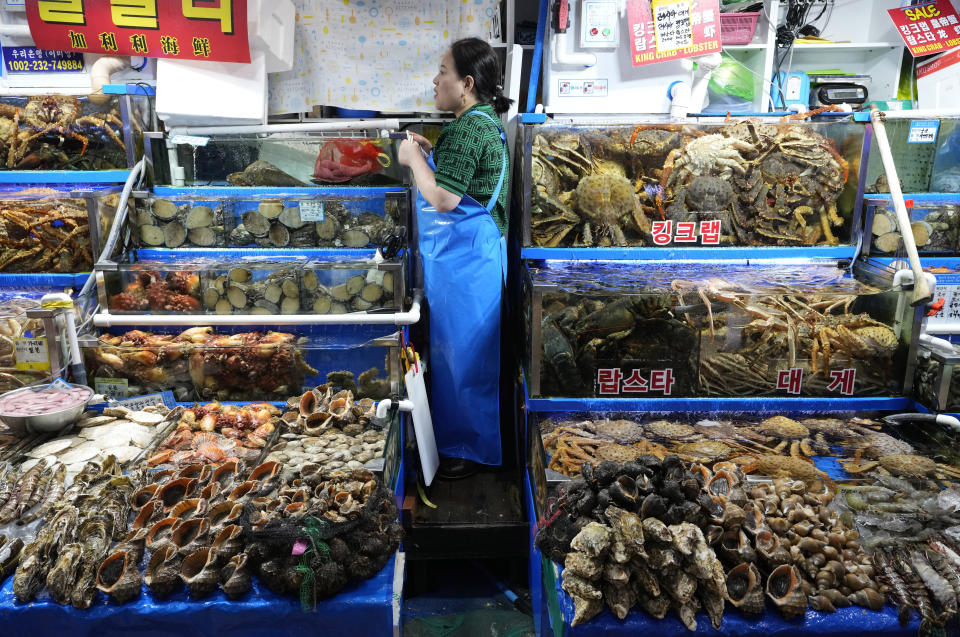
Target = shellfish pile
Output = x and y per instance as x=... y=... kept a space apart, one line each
x=328 y=430
x=117 y=432
x=198 y=363
x=163 y=223
x=664 y=535
x=67 y=551
x=216 y=432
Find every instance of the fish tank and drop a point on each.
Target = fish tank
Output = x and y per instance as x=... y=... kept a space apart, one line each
x=934 y=223
x=936 y=382
x=270 y=218
x=27 y=354
x=945 y=176
x=636 y=329
x=65 y=132
x=335 y=283
x=295 y=159
x=202 y=363
x=744 y=183
x=54 y=228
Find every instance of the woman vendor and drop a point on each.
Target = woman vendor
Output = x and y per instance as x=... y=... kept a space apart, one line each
x=463 y=183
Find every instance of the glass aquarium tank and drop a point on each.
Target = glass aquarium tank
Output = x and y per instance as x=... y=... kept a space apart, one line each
x=936 y=382
x=946 y=162
x=935 y=224
x=287 y=160
x=335 y=283
x=745 y=183
x=54 y=228
x=64 y=132
x=268 y=218
x=653 y=329
x=201 y=363
x=16 y=325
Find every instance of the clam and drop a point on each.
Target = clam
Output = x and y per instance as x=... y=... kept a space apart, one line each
x=785 y=590
x=119 y=577
x=199 y=573
x=745 y=589
x=162 y=575
x=235 y=577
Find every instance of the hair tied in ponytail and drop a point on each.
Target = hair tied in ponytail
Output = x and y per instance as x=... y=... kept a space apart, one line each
x=476 y=58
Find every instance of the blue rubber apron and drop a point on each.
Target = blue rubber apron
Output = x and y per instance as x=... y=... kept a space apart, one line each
x=464 y=260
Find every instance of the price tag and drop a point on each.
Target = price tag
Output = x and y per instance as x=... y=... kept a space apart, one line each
x=32 y=354
x=311 y=210
x=671 y=24
x=923 y=131
x=115 y=388
x=148 y=400
x=193 y=140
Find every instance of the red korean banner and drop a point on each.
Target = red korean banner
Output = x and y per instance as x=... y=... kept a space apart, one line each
x=928 y=28
x=665 y=30
x=213 y=30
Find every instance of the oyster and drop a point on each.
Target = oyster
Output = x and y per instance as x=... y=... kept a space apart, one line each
x=685 y=536
x=576 y=586
x=583 y=565
x=9 y=557
x=784 y=588
x=679 y=585
x=593 y=539
x=235 y=577
x=660 y=558
x=585 y=609
x=645 y=579
x=657 y=530
x=688 y=613
x=85 y=589
x=628 y=528
x=162 y=575
x=619 y=597
x=61 y=577
x=656 y=606
x=199 y=573
x=745 y=589
x=712 y=603
x=119 y=577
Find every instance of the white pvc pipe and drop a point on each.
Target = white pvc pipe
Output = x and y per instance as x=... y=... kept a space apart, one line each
x=921 y=290
x=938 y=344
x=305 y=127
x=16 y=30
x=943 y=327
x=69 y=316
x=562 y=56
x=100 y=73
x=384 y=406
x=105 y=319
x=921 y=113
x=949 y=421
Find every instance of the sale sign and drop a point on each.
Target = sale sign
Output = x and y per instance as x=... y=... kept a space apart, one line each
x=932 y=27
x=214 y=30
x=664 y=30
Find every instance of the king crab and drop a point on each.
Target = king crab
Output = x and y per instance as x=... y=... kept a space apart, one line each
x=713 y=155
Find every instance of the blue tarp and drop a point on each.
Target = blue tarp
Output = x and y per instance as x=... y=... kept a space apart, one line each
x=362 y=609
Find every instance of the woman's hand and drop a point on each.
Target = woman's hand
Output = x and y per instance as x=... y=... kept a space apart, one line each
x=409 y=152
x=425 y=144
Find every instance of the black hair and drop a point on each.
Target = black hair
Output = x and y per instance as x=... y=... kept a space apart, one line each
x=476 y=58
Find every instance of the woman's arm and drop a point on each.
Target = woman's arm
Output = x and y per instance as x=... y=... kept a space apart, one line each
x=442 y=199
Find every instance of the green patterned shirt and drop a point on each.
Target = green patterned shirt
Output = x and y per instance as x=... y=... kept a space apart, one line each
x=469 y=157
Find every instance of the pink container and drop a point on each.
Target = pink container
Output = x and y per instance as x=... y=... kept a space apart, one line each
x=738 y=28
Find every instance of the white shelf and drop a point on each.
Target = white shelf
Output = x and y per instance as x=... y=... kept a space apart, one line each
x=803 y=46
x=753 y=46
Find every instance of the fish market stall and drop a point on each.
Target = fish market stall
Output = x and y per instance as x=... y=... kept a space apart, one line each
x=801 y=522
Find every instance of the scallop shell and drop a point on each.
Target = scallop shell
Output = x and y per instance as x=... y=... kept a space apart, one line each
x=199 y=573
x=119 y=578
x=162 y=575
x=745 y=589
x=784 y=588
x=235 y=577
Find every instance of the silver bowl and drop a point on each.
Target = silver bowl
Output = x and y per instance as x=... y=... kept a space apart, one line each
x=51 y=422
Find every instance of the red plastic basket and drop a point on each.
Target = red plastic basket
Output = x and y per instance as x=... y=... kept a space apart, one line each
x=738 y=28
